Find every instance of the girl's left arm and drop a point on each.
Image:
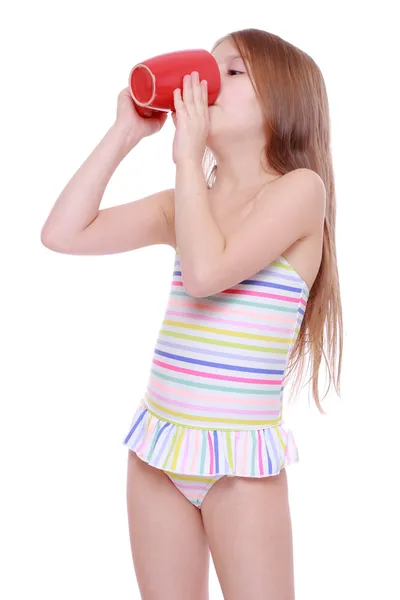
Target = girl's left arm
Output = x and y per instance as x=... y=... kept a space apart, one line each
x=286 y=211
x=198 y=237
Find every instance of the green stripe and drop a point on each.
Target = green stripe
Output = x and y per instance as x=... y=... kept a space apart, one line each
x=241 y=302
x=153 y=443
x=195 y=338
x=233 y=390
x=230 y=454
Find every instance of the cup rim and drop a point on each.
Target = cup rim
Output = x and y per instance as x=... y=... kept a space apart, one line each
x=144 y=104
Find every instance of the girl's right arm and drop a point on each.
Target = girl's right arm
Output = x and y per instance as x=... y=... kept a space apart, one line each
x=75 y=224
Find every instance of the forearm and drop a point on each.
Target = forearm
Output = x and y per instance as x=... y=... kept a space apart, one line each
x=78 y=204
x=198 y=237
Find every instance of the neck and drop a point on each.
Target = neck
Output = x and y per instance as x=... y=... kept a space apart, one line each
x=240 y=175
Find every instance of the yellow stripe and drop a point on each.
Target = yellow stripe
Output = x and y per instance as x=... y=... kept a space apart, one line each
x=148 y=425
x=250 y=336
x=171 y=448
x=195 y=478
x=277 y=263
x=177 y=449
x=209 y=419
x=194 y=338
x=278 y=433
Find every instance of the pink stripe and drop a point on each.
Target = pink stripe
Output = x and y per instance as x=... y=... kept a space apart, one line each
x=248 y=293
x=139 y=448
x=234 y=311
x=260 y=295
x=260 y=453
x=216 y=376
x=242 y=324
x=144 y=435
x=285 y=436
x=213 y=398
x=212 y=409
x=186 y=486
x=237 y=437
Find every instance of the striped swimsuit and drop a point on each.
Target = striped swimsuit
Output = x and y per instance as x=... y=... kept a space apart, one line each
x=213 y=403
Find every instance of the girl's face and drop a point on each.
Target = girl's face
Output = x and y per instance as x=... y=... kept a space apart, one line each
x=236 y=112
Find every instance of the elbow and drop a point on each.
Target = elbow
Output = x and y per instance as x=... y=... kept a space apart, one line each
x=194 y=286
x=51 y=243
x=193 y=290
x=47 y=241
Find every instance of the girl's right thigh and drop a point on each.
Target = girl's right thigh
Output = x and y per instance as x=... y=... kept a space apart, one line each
x=169 y=547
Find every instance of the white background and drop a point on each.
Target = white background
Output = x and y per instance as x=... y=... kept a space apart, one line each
x=77 y=333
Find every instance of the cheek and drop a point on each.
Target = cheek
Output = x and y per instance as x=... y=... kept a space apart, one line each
x=250 y=112
x=242 y=113
x=238 y=103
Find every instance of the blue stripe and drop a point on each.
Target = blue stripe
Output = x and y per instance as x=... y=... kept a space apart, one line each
x=135 y=425
x=207 y=363
x=269 y=460
x=170 y=428
x=216 y=451
x=270 y=284
x=274 y=450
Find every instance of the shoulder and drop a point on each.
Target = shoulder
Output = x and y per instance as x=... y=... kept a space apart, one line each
x=301 y=188
x=297 y=199
x=307 y=180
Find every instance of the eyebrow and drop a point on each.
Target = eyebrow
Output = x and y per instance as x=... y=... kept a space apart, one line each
x=231 y=56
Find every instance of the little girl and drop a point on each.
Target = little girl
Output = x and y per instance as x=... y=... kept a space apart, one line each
x=253 y=286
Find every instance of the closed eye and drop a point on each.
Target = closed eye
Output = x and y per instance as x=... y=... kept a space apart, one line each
x=233 y=71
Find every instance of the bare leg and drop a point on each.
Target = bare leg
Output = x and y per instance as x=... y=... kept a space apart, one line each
x=169 y=546
x=248 y=525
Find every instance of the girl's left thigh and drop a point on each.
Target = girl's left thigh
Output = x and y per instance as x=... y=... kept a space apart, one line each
x=248 y=525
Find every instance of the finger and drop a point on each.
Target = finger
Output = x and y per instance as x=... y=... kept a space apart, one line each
x=204 y=90
x=197 y=92
x=178 y=102
x=188 y=94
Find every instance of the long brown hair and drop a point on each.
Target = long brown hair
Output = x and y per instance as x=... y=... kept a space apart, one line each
x=291 y=91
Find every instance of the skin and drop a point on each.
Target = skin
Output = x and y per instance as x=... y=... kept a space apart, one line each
x=236 y=135
x=284 y=209
x=244 y=522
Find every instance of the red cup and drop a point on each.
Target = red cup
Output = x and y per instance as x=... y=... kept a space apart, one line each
x=153 y=81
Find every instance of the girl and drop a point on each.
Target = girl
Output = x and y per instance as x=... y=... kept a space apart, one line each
x=255 y=281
